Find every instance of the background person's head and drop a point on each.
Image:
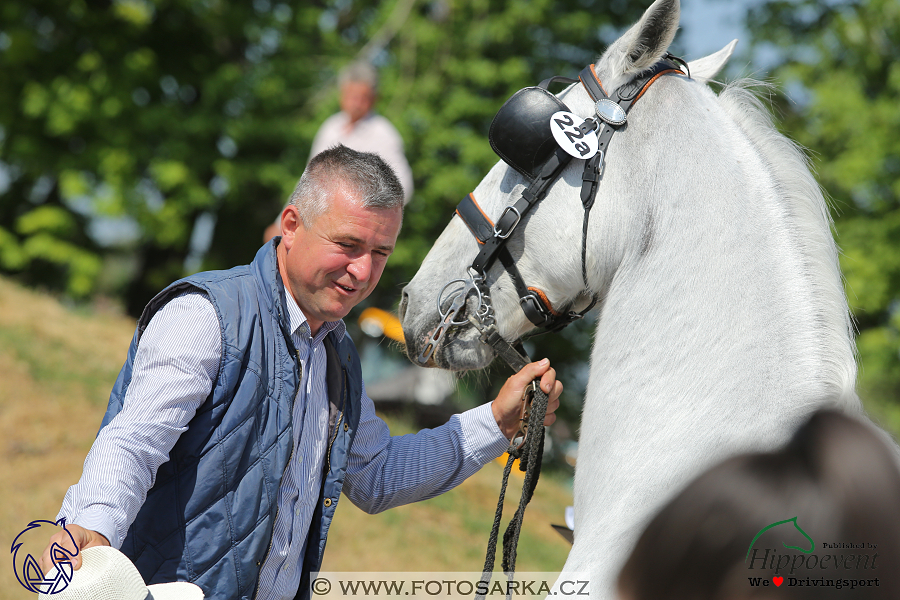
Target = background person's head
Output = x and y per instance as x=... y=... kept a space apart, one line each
x=836 y=476
x=359 y=89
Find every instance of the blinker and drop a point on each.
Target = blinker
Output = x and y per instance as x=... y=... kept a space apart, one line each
x=520 y=133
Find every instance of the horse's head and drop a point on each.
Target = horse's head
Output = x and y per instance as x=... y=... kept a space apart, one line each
x=563 y=262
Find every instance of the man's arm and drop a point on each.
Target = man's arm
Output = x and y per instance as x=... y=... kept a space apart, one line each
x=386 y=471
x=174 y=368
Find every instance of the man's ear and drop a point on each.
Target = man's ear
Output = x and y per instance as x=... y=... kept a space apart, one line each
x=290 y=225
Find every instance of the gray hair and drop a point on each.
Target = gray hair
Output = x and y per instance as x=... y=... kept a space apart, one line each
x=363 y=174
x=359 y=72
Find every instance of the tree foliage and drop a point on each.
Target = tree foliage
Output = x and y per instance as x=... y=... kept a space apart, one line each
x=126 y=125
x=129 y=126
x=839 y=63
x=141 y=116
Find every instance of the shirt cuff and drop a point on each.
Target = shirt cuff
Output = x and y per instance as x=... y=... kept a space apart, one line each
x=482 y=437
x=98 y=520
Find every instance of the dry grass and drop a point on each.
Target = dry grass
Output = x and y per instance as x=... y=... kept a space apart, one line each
x=57 y=366
x=56 y=369
x=450 y=532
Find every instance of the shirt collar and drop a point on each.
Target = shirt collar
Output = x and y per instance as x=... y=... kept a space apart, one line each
x=362 y=120
x=297 y=320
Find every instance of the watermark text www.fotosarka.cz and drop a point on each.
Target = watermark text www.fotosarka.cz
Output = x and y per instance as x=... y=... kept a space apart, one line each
x=413 y=586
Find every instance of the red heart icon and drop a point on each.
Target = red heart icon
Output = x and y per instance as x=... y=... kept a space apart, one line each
x=778 y=581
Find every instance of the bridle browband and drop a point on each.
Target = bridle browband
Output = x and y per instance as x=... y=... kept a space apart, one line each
x=610 y=115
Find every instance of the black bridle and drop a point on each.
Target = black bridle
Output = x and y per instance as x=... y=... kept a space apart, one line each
x=534 y=303
x=611 y=114
x=542 y=168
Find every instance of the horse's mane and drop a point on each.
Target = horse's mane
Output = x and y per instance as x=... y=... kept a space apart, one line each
x=809 y=217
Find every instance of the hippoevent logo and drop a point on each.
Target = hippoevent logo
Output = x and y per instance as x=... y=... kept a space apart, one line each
x=27 y=568
x=804 y=567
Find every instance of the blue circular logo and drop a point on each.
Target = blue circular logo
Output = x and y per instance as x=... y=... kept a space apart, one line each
x=27 y=567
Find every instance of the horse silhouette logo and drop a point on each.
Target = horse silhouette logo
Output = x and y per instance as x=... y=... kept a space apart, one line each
x=812 y=544
x=27 y=568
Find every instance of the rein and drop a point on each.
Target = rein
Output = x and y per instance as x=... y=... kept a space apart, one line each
x=611 y=113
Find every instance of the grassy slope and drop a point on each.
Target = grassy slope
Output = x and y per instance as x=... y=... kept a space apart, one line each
x=56 y=369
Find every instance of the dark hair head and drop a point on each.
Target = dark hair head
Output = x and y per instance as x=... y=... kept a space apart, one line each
x=364 y=174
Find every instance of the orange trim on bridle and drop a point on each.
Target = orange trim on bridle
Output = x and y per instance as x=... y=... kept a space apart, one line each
x=544 y=299
x=486 y=218
x=597 y=77
x=649 y=83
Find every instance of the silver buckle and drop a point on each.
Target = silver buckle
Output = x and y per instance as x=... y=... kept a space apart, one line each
x=497 y=234
x=531 y=299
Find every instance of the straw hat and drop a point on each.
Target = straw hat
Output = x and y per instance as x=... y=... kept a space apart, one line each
x=107 y=574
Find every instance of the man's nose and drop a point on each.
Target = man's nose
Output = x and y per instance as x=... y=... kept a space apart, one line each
x=361 y=267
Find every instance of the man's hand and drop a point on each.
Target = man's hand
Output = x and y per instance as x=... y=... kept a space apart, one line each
x=507 y=407
x=84 y=538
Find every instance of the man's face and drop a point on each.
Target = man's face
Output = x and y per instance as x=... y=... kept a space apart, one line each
x=357 y=99
x=334 y=263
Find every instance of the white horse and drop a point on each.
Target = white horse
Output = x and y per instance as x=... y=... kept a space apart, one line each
x=722 y=316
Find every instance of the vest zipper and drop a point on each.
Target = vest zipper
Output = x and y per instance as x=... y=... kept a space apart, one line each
x=286 y=467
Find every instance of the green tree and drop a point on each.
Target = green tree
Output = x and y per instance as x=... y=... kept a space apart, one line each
x=838 y=60
x=155 y=113
x=162 y=114
x=159 y=115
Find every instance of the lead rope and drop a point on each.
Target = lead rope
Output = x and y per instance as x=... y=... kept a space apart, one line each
x=532 y=453
x=529 y=453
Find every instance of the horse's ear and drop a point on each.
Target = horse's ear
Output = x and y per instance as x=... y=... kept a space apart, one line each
x=647 y=41
x=704 y=69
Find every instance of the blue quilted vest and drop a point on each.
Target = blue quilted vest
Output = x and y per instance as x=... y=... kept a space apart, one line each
x=210 y=514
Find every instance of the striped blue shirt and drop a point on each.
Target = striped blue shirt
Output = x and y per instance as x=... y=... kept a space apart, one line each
x=174 y=370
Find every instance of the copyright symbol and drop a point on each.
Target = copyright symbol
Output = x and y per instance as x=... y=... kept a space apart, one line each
x=321 y=586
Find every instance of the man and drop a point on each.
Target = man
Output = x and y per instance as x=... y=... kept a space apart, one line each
x=240 y=415
x=358 y=127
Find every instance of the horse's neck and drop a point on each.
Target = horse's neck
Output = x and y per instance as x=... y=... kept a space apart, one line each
x=731 y=289
x=713 y=338
x=719 y=305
